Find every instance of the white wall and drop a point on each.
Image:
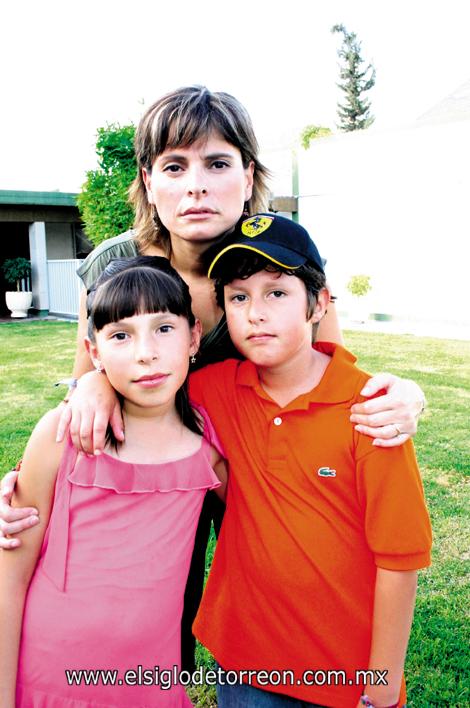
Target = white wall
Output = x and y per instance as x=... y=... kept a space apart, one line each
x=59 y=239
x=394 y=205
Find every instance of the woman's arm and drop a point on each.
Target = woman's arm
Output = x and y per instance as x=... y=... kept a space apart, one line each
x=35 y=487
x=329 y=329
x=394 y=601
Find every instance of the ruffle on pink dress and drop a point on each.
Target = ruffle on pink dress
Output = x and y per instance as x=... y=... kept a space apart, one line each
x=107 y=593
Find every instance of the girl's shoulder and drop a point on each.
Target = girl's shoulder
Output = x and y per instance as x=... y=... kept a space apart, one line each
x=122 y=246
x=42 y=456
x=45 y=432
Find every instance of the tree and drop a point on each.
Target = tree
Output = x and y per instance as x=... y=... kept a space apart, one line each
x=103 y=201
x=311 y=132
x=359 y=285
x=355 y=81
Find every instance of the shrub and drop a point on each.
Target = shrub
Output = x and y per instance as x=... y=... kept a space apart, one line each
x=359 y=285
x=15 y=269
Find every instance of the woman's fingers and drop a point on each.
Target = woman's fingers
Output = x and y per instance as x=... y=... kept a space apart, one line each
x=374 y=405
x=392 y=419
x=13 y=520
x=100 y=427
x=75 y=430
x=385 y=436
x=85 y=433
x=116 y=422
x=64 y=422
x=391 y=442
x=7 y=486
x=377 y=383
x=13 y=527
x=375 y=420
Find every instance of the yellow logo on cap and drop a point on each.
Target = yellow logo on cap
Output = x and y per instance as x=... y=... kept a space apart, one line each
x=256 y=225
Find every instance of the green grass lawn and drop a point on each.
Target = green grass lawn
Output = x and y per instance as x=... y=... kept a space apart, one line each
x=35 y=354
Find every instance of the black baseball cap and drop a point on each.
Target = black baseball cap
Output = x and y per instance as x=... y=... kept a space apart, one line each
x=278 y=239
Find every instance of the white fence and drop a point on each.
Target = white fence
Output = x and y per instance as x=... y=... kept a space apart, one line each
x=64 y=287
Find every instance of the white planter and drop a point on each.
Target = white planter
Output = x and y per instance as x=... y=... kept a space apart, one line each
x=18 y=302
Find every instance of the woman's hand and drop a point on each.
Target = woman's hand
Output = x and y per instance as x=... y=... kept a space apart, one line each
x=391 y=419
x=91 y=408
x=13 y=520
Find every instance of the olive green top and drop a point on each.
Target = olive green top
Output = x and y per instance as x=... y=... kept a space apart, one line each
x=122 y=246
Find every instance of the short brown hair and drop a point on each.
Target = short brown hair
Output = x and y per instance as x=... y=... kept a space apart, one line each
x=179 y=119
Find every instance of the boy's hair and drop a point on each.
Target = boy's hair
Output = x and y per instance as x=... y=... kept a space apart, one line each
x=141 y=285
x=242 y=264
x=179 y=119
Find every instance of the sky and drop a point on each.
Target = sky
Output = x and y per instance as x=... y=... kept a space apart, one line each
x=71 y=66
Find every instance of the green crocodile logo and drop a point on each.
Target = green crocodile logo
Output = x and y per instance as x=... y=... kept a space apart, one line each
x=326 y=472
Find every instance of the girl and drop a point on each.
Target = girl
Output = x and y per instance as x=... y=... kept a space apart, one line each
x=108 y=561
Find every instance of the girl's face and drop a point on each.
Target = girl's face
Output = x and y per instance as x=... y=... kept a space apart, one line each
x=146 y=357
x=199 y=191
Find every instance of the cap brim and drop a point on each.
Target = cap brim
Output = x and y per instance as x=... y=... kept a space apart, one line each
x=283 y=257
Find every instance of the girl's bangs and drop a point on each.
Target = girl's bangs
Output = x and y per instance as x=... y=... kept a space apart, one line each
x=136 y=292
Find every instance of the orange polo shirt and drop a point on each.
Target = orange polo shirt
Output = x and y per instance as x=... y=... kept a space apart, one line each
x=313 y=508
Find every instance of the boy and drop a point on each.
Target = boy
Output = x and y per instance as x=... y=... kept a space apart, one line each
x=315 y=569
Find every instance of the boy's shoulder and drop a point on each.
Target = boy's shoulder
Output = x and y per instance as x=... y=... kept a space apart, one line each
x=215 y=373
x=342 y=380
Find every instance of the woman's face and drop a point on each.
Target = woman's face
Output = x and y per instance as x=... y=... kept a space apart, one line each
x=199 y=191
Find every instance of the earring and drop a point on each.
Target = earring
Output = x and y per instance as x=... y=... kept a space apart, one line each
x=245 y=210
x=193 y=359
x=100 y=368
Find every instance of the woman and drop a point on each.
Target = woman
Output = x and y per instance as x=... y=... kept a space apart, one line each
x=198 y=172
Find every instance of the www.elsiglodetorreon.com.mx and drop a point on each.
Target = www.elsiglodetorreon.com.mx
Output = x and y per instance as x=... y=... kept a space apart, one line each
x=166 y=678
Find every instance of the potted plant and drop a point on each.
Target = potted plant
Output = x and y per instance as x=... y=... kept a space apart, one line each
x=18 y=301
x=359 y=286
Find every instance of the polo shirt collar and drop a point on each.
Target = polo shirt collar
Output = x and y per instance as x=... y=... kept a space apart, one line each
x=337 y=385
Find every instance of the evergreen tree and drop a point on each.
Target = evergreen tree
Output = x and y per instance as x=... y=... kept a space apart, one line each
x=354 y=113
x=103 y=201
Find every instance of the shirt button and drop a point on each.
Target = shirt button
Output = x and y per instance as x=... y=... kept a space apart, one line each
x=277 y=421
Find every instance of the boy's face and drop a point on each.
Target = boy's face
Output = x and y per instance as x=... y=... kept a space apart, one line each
x=267 y=317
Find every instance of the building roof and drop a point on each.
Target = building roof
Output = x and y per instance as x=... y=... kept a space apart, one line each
x=64 y=199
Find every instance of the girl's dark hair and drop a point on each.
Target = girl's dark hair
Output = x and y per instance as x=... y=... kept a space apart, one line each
x=241 y=264
x=141 y=285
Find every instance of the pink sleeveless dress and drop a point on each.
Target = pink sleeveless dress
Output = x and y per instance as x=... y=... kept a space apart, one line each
x=107 y=593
